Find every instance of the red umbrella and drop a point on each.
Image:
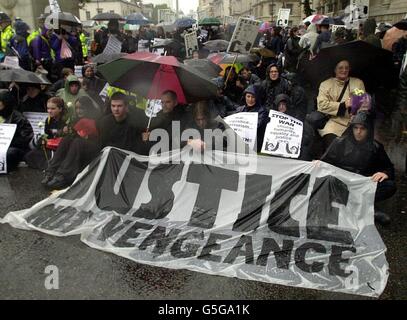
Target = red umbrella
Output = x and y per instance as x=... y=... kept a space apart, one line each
x=150 y=75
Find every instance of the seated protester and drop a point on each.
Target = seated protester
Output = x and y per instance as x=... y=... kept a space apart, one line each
x=38 y=157
x=334 y=99
x=202 y=121
x=231 y=90
x=358 y=152
x=247 y=78
x=98 y=102
x=273 y=86
x=172 y=114
x=60 y=84
x=77 y=150
x=298 y=96
x=116 y=129
x=94 y=84
x=24 y=133
x=71 y=93
x=284 y=105
x=35 y=100
x=252 y=104
x=221 y=105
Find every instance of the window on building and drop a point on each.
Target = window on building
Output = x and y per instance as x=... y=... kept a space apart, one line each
x=87 y=15
x=111 y=11
x=344 y=4
x=289 y=6
x=271 y=9
x=330 y=7
x=99 y=10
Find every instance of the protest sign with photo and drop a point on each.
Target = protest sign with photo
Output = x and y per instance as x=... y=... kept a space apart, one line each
x=244 y=36
x=153 y=107
x=335 y=27
x=191 y=43
x=283 y=17
x=245 y=126
x=283 y=135
x=7 y=132
x=279 y=221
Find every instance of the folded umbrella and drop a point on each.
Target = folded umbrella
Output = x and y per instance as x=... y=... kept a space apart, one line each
x=216 y=45
x=371 y=64
x=150 y=75
x=204 y=66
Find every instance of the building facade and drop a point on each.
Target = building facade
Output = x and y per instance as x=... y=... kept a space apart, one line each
x=29 y=10
x=122 y=7
x=389 y=11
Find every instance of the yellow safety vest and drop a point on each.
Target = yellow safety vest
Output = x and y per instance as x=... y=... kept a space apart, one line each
x=84 y=41
x=6 y=36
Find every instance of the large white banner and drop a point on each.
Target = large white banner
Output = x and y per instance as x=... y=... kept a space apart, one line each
x=283 y=17
x=7 y=132
x=244 y=36
x=265 y=219
x=191 y=43
x=245 y=126
x=283 y=135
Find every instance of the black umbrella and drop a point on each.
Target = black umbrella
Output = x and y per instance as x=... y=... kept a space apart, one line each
x=167 y=43
x=105 y=58
x=204 y=66
x=331 y=20
x=371 y=64
x=184 y=23
x=216 y=45
x=402 y=24
x=241 y=58
x=107 y=16
x=137 y=18
x=22 y=76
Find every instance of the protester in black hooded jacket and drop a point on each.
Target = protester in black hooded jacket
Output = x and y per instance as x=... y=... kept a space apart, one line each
x=358 y=152
x=24 y=133
x=273 y=86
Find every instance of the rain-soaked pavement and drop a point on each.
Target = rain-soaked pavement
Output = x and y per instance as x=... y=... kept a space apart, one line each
x=86 y=273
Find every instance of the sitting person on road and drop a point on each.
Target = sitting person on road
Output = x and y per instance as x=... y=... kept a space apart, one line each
x=358 y=152
x=23 y=135
x=76 y=150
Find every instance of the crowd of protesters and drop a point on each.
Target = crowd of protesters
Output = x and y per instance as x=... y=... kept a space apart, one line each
x=87 y=124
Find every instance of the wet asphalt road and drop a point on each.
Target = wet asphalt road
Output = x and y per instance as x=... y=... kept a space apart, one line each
x=86 y=273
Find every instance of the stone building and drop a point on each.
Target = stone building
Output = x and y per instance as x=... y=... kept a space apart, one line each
x=29 y=10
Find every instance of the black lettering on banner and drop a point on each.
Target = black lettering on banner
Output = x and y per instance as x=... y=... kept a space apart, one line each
x=245 y=241
x=160 y=183
x=280 y=220
x=80 y=188
x=335 y=259
x=281 y=254
x=212 y=180
x=131 y=233
x=42 y=215
x=122 y=202
x=160 y=238
x=190 y=249
x=112 y=227
x=301 y=252
x=321 y=213
x=257 y=188
x=212 y=245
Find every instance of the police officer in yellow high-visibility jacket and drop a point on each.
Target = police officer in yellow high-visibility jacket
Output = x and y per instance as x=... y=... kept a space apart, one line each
x=7 y=32
x=84 y=42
